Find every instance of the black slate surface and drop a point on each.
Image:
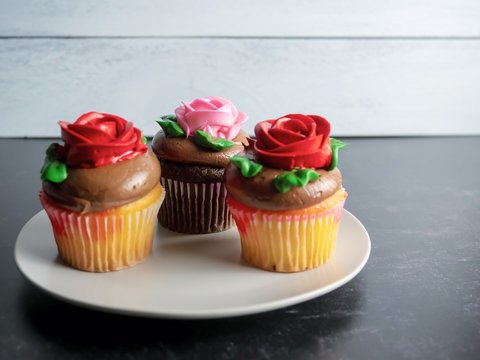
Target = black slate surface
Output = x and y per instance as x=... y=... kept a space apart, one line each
x=417 y=298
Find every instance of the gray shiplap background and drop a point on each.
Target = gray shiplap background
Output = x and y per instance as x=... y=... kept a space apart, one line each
x=376 y=67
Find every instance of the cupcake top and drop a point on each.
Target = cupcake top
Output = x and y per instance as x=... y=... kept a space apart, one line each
x=103 y=163
x=291 y=165
x=205 y=131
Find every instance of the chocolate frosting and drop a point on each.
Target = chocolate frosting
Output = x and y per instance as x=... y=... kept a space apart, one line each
x=259 y=191
x=184 y=150
x=105 y=187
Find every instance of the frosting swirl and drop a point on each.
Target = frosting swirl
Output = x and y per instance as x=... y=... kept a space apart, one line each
x=185 y=150
x=105 y=187
x=259 y=191
x=214 y=115
x=99 y=139
x=294 y=140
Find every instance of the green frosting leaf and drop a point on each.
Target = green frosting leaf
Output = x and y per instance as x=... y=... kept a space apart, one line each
x=170 y=126
x=55 y=172
x=206 y=140
x=51 y=154
x=144 y=139
x=297 y=177
x=52 y=169
x=336 y=145
x=247 y=167
x=171 y=117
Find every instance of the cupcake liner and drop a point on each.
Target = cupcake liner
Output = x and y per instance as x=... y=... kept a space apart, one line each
x=287 y=241
x=194 y=208
x=105 y=240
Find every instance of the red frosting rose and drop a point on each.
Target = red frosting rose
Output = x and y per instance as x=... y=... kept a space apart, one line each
x=98 y=139
x=294 y=140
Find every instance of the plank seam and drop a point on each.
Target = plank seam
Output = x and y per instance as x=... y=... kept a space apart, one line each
x=189 y=37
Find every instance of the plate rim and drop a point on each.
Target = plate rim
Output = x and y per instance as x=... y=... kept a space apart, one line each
x=243 y=310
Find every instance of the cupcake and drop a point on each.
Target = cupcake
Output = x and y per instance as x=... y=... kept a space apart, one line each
x=193 y=147
x=101 y=192
x=285 y=194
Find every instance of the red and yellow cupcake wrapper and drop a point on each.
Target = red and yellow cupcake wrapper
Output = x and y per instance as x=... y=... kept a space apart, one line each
x=194 y=208
x=106 y=240
x=289 y=241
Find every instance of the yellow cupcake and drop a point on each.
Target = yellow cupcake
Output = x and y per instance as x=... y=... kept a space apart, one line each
x=289 y=241
x=101 y=192
x=105 y=240
x=285 y=194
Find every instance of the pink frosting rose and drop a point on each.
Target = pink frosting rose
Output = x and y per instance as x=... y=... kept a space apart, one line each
x=212 y=114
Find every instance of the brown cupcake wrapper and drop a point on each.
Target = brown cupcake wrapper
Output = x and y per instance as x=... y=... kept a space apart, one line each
x=194 y=208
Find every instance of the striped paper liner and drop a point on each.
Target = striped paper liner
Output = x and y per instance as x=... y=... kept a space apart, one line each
x=105 y=240
x=286 y=243
x=194 y=208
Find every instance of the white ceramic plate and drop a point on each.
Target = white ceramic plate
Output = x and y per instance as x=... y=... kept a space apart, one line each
x=187 y=276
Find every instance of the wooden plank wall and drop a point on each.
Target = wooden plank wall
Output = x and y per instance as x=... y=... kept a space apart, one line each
x=372 y=68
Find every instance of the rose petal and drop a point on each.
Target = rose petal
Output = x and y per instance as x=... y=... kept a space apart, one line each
x=182 y=120
x=297 y=126
x=114 y=146
x=127 y=134
x=225 y=126
x=304 y=146
x=241 y=118
x=88 y=117
x=96 y=119
x=291 y=124
x=184 y=108
x=200 y=119
x=71 y=137
x=303 y=118
x=87 y=154
x=187 y=107
x=180 y=113
x=323 y=126
x=93 y=134
x=217 y=100
x=316 y=159
x=229 y=108
x=140 y=146
x=312 y=129
x=109 y=126
x=231 y=133
x=221 y=132
x=264 y=139
x=202 y=104
x=286 y=136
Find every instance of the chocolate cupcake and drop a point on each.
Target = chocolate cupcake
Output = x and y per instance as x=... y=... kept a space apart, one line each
x=193 y=147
